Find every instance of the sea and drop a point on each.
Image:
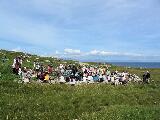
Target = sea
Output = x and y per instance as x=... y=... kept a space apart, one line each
x=138 y=64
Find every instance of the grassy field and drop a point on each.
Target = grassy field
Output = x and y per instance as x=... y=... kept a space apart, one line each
x=86 y=102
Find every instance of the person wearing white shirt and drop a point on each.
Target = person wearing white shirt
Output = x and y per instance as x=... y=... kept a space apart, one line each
x=109 y=78
x=90 y=79
x=105 y=79
x=62 y=80
x=112 y=79
x=84 y=79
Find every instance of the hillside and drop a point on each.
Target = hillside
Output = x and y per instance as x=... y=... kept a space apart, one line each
x=86 y=102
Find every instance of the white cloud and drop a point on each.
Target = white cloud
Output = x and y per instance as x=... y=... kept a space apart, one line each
x=68 y=52
x=72 y=51
x=94 y=52
x=102 y=53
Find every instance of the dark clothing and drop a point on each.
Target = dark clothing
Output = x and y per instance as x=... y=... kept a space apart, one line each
x=146 y=77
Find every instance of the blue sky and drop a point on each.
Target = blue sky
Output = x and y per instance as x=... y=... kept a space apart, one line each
x=105 y=30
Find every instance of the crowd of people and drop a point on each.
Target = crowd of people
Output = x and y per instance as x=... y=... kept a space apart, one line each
x=74 y=74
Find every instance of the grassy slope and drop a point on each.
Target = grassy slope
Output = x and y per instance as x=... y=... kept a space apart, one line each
x=33 y=101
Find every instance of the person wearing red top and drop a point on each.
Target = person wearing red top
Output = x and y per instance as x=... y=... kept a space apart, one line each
x=50 y=69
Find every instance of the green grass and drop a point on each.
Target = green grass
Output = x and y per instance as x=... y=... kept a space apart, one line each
x=32 y=101
x=86 y=102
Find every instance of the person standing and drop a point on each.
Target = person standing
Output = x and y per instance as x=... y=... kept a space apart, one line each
x=146 y=77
